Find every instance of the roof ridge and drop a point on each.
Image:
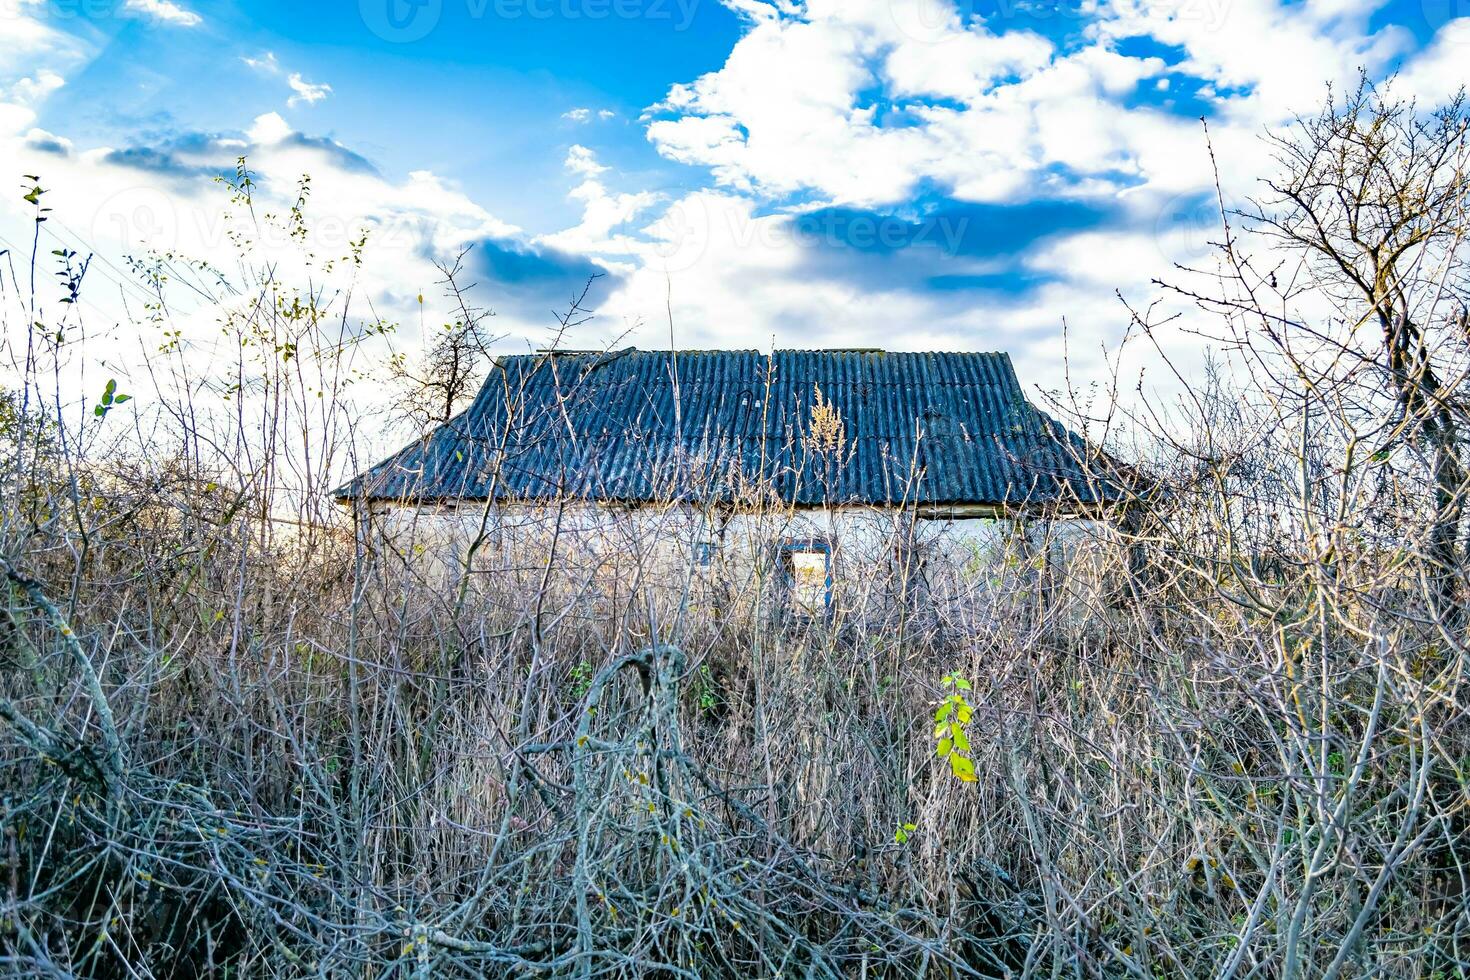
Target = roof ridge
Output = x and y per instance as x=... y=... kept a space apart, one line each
x=588 y=352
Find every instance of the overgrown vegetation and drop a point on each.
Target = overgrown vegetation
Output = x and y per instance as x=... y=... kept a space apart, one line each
x=246 y=734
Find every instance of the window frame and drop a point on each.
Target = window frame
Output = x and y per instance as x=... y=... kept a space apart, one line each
x=786 y=551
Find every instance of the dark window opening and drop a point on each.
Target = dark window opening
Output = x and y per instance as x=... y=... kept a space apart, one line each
x=807 y=568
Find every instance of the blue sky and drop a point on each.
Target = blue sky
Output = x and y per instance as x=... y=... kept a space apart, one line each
x=894 y=173
x=479 y=98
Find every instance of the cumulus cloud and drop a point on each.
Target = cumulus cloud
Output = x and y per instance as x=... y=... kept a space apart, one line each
x=1273 y=54
x=874 y=174
x=899 y=113
x=164 y=12
x=1438 y=72
x=36 y=87
x=160 y=194
x=862 y=102
x=603 y=212
x=269 y=128
x=532 y=281
x=581 y=160
x=39 y=139
x=729 y=272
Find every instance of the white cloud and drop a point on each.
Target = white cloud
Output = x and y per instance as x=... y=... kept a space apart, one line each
x=306 y=92
x=1278 y=54
x=164 y=12
x=581 y=160
x=117 y=203
x=862 y=101
x=269 y=128
x=14 y=118
x=865 y=103
x=33 y=58
x=37 y=137
x=265 y=62
x=585 y=115
x=36 y=87
x=602 y=212
x=27 y=42
x=736 y=277
x=1438 y=72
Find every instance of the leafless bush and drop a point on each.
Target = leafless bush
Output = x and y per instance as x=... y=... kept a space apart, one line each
x=249 y=732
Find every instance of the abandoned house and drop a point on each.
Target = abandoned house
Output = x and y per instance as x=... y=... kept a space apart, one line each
x=801 y=460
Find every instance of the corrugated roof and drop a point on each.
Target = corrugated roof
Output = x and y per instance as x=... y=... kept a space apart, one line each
x=631 y=425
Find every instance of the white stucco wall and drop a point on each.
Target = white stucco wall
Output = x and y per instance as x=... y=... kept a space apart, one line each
x=709 y=556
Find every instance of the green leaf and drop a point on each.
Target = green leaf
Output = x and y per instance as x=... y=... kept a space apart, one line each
x=121 y=398
x=99 y=410
x=944 y=746
x=961 y=740
x=964 y=715
x=962 y=684
x=944 y=711
x=962 y=767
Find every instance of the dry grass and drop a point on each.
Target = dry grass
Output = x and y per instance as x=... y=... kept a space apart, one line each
x=248 y=736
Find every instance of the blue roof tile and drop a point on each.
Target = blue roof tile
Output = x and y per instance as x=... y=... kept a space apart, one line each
x=639 y=426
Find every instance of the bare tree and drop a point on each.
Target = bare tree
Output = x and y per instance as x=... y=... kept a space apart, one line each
x=1374 y=194
x=450 y=370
